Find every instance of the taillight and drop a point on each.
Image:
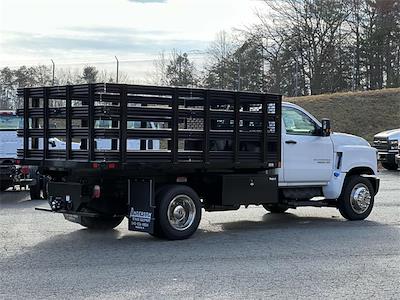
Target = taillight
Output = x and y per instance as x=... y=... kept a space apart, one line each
x=112 y=166
x=104 y=165
x=96 y=192
x=25 y=170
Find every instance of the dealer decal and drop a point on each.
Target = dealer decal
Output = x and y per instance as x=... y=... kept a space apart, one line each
x=140 y=220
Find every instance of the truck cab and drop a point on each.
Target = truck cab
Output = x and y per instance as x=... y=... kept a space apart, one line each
x=318 y=163
x=387 y=142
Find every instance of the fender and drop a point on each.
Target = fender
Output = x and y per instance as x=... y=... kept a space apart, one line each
x=348 y=158
x=357 y=157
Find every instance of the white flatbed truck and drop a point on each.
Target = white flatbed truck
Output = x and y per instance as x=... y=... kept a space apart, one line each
x=216 y=150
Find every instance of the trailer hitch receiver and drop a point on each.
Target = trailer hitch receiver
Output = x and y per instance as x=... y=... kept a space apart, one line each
x=60 y=203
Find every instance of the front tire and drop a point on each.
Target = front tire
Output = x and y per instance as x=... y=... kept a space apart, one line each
x=390 y=166
x=178 y=212
x=357 y=199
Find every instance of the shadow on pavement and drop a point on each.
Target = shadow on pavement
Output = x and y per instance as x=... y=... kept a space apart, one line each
x=13 y=197
x=274 y=234
x=290 y=220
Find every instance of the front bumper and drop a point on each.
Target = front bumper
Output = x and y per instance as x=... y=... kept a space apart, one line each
x=387 y=157
x=397 y=159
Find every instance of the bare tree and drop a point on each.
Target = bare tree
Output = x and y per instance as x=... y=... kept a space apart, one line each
x=220 y=69
x=159 y=76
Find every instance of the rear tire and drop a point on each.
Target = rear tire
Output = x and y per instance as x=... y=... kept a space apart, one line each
x=35 y=192
x=178 y=212
x=101 y=223
x=390 y=166
x=39 y=190
x=357 y=198
x=276 y=208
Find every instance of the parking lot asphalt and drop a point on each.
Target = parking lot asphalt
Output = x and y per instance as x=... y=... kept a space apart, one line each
x=304 y=253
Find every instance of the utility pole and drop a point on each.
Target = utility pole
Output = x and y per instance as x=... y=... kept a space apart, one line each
x=239 y=71
x=296 y=79
x=54 y=67
x=117 y=66
x=263 y=65
x=240 y=52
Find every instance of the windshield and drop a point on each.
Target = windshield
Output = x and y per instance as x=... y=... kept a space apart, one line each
x=10 y=122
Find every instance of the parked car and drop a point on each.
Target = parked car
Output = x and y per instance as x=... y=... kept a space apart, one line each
x=387 y=143
x=10 y=171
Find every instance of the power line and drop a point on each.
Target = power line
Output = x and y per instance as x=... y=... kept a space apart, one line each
x=81 y=61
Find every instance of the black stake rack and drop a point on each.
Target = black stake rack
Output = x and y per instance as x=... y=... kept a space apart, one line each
x=199 y=128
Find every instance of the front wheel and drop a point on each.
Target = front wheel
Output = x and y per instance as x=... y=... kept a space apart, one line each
x=357 y=199
x=178 y=212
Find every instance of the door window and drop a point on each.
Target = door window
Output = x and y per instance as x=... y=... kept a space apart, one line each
x=10 y=121
x=297 y=122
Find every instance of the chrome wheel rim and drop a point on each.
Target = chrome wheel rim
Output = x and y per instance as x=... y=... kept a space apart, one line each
x=360 y=198
x=181 y=212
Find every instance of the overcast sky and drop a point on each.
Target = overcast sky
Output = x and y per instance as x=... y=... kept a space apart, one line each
x=93 y=31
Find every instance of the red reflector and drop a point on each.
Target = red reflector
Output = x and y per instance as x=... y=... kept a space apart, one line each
x=17 y=161
x=112 y=166
x=95 y=165
x=96 y=192
x=25 y=170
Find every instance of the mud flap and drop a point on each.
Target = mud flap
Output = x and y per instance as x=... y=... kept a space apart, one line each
x=141 y=205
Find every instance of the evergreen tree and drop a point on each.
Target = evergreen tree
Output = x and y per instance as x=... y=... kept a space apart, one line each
x=180 y=70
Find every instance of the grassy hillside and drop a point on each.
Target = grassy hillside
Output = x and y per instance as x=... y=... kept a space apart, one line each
x=360 y=113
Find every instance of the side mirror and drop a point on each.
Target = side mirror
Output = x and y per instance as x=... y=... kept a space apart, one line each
x=326 y=127
x=52 y=143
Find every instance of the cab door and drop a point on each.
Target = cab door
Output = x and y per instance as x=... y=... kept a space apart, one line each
x=307 y=156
